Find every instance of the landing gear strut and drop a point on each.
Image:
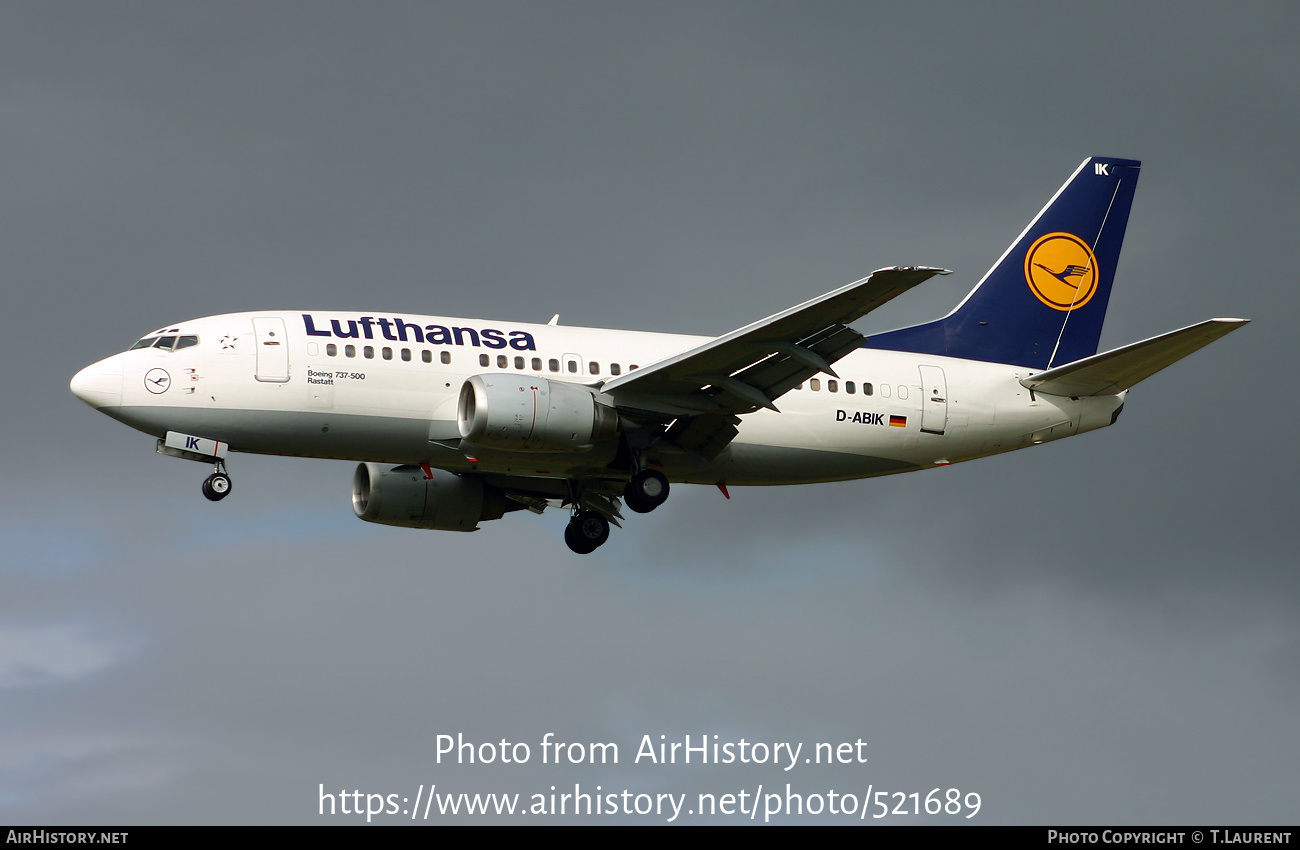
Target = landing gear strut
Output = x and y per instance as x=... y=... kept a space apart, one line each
x=647 y=490
x=217 y=485
x=586 y=531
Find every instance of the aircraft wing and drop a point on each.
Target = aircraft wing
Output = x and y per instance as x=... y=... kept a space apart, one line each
x=753 y=366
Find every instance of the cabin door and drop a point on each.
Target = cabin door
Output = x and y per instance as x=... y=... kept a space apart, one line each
x=272 y=349
x=934 y=400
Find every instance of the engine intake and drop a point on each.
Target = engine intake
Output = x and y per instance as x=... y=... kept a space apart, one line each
x=403 y=495
x=527 y=413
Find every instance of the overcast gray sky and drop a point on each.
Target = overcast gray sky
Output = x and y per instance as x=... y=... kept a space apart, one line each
x=1101 y=630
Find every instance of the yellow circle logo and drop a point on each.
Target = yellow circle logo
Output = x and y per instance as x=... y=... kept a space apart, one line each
x=1062 y=271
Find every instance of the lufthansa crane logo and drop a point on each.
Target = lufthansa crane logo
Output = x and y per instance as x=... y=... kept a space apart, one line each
x=157 y=381
x=1062 y=271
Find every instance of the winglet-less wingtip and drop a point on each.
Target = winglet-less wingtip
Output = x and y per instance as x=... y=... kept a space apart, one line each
x=930 y=269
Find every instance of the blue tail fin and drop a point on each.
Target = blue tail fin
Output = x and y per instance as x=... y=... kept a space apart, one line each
x=1043 y=302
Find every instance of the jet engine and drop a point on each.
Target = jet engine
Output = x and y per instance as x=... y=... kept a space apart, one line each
x=404 y=495
x=527 y=413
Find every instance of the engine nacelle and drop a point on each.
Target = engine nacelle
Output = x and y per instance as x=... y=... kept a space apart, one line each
x=403 y=495
x=527 y=413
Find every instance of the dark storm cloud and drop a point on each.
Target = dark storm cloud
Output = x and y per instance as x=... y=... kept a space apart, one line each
x=1100 y=629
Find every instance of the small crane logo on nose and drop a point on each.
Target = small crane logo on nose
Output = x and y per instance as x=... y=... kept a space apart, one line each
x=157 y=381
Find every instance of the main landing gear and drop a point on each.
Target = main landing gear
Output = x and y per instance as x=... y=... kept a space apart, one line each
x=217 y=485
x=647 y=490
x=586 y=532
x=589 y=529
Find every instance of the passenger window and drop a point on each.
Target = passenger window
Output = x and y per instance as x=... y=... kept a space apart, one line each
x=902 y=391
x=615 y=369
x=572 y=365
x=388 y=353
x=502 y=360
x=368 y=352
x=350 y=350
x=483 y=360
x=799 y=387
x=833 y=386
x=446 y=357
x=867 y=389
x=593 y=367
x=537 y=364
x=814 y=384
x=553 y=365
x=884 y=390
x=849 y=388
x=406 y=354
x=519 y=362
x=186 y=342
x=331 y=349
x=633 y=366
x=426 y=355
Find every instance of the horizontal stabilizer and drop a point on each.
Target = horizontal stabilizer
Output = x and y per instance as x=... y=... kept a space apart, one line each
x=1114 y=371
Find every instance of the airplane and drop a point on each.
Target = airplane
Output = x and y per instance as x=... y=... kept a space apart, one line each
x=455 y=422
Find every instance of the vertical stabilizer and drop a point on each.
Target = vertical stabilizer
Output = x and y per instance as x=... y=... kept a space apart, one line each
x=1044 y=301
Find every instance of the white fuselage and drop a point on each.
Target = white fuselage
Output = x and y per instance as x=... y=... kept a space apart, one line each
x=384 y=388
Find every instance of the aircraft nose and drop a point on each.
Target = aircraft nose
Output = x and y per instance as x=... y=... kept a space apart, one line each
x=99 y=384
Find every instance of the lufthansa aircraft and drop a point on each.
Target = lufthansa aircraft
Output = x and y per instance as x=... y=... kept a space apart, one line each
x=459 y=421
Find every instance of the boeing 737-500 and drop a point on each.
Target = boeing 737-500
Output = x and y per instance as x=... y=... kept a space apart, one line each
x=460 y=421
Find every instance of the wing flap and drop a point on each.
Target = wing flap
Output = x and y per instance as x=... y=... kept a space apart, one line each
x=791 y=366
x=705 y=435
x=1114 y=371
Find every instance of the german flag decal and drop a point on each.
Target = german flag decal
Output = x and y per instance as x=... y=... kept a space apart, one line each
x=898 y=421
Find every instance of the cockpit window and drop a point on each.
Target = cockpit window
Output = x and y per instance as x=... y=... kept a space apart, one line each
x=166 y=343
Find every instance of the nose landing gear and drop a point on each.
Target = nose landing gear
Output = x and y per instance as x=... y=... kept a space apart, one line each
x=217 y=485
x=189 y=447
